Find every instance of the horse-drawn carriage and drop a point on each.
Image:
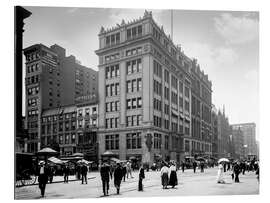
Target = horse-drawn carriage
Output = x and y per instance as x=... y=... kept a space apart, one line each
x=26 y=167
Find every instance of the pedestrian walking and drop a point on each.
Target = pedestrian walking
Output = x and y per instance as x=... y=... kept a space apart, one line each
x=141 y=177
x=243 y=167
x=258 y=172
x=84 y=173
x=173 y=176
x=129 y=169
x=202 y=166
x=105 y=177
x=124 y=171
x=164 y=171
x=220 y=178
x=118 y=175
x=78 y=171
x=51 y=172
x=66 y=171
x=111 y=170
x=183 y=166
x=42 y=177
x=194 y=164
x=237 y=171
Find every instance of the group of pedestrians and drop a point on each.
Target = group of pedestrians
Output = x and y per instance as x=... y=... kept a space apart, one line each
x=118 y=173
x=236 y=167
x=168 y=175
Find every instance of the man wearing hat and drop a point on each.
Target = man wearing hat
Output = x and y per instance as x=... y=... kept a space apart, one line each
x=42 y=177
x=105 y=177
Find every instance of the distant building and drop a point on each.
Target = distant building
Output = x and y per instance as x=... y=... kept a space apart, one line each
x=145 y=84
x=201 y=108
x=52 y=80
x=214 y=119
x=238 y=143
x=249 y=134
x=72 y=129
x=224 y=136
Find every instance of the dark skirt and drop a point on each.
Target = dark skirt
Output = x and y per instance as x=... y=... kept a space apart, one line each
x=117 y=183
x=164 y=179
x=173 y=179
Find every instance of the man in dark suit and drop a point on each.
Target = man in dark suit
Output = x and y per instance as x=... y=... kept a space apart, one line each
x=84 y=173
x=105 y=177
x=66 y=173
x=118 y=175
x=42 y=177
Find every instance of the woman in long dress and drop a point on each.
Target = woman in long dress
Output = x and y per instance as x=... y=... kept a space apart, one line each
x=220 y=178
x=173 y=176
x=164 y=176
x=141 y=177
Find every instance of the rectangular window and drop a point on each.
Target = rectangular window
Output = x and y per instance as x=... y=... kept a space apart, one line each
x=139 y=102
x=128 y=103
x=128 y=86
x=134 y=103
x=139 y=84
x=117 y=89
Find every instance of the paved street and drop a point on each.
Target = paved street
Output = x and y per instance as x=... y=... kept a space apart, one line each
x=189 y=184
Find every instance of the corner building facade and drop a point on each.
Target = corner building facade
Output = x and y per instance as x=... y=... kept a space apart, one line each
x=52 y=80
x=144 y=93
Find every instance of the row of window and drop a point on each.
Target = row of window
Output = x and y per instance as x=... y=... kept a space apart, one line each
x=134 y=51
x=32 y=102
x=134 y=141
x=134 y=32
x=112 y=71
x=134 y=66
x=32 y=80
x=33 y=90
x=157 y=104
x=157 y=121
x=112 y=90
x=134 y=85
x=87 y=123
x=60 y=117
x=157 y=69
x=86 y=111
x=112 y=57
x=69 y=139
x=157 y=88
x=112 y=106
x=32 y=68
x=111 y=122
x=134 y=120
x=134 y=103
x=113 y=39
x=33 y=112
x=32 y=56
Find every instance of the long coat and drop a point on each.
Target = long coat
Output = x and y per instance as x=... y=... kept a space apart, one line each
x=118 y=176
x=105 y=173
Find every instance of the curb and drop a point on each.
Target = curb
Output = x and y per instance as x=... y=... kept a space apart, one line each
x=60 y=181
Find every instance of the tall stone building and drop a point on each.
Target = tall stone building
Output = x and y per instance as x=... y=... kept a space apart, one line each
x=238 y=143
x=224 y=136
x=145 y=84
x=249 y=134
x=214 y=119
x=52 y=80
x=201 y=100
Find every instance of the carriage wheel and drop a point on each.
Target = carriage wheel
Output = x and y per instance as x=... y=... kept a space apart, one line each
x=28 y=178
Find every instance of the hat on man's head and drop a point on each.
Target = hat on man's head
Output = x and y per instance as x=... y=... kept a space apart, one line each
x=41 y=163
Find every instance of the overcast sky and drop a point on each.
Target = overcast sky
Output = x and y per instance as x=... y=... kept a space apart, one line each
x=225 y=43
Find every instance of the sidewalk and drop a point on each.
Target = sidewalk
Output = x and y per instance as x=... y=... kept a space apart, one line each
x=60 y=179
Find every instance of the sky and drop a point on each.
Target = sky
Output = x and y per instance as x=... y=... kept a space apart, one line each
x=225 y=43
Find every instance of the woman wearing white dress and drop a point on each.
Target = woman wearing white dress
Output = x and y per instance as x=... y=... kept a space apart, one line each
x=220 y=178
x=164 y=172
